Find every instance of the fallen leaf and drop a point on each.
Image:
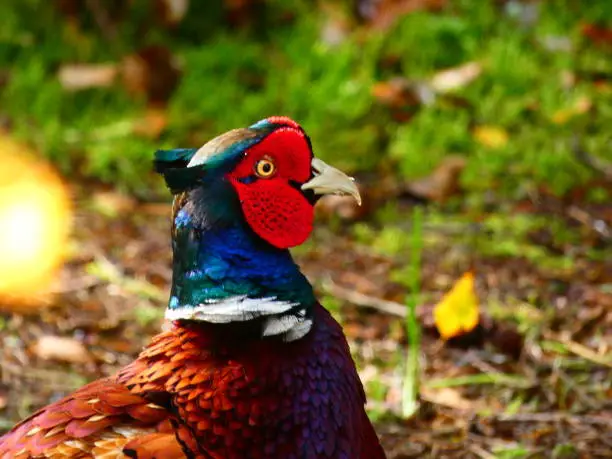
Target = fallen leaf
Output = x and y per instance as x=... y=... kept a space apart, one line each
x=442 y=183
x=448 y=397
x=455 y=78
x=403 y=96
x=457 y=313
x=76 y=77
x=396 y=92
x=65 y=349
x=152 y=72
x=491 y=136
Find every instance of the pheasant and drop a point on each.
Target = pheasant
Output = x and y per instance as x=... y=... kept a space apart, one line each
x=252 y=365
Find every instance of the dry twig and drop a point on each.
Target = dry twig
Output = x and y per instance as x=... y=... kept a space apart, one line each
x=551 y=417
x=360 y=299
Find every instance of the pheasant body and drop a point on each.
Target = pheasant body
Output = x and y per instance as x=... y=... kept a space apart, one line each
x=299 y=397
x=253 y=366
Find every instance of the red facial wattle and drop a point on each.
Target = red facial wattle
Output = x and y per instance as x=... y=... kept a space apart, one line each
x=273 y=206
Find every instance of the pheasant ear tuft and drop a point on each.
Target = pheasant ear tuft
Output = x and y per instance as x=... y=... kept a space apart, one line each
x=183 y=179
x=173 y=159
x=172 y=164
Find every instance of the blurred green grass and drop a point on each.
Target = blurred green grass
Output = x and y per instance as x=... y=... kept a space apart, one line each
x=282 y=64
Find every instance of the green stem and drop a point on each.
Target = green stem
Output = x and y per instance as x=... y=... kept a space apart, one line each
x=411 y=378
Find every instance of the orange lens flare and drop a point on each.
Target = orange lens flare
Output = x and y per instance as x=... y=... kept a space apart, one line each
x=35 y=217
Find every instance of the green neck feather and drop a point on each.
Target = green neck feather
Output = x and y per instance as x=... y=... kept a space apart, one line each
x=223 y=272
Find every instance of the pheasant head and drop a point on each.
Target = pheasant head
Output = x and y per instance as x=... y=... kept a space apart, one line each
x=241 y=201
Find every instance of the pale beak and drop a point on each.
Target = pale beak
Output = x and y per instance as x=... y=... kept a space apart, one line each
x=329 y=180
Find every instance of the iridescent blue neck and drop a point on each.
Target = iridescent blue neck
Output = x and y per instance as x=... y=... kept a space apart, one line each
x=223 y=272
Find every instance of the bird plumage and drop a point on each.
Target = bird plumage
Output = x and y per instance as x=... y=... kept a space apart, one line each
x=253 y=366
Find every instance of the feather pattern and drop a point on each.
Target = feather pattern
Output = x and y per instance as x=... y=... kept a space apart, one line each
x=96 y=421
x=232 y=309
x=304 y=396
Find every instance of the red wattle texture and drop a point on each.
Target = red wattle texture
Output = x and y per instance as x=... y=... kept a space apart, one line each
x=193 y=390
x=277 y=211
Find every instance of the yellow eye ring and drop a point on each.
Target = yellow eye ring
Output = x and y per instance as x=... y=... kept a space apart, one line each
x=265 y=168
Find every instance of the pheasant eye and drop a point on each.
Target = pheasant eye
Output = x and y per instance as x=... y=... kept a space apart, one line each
x=265 y=168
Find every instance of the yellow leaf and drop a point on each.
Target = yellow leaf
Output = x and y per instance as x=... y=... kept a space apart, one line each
x=491 y=136
x=457 y=313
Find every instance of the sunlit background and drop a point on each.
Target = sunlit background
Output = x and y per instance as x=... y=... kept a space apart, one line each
x=35 y=219
x=479 y=133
